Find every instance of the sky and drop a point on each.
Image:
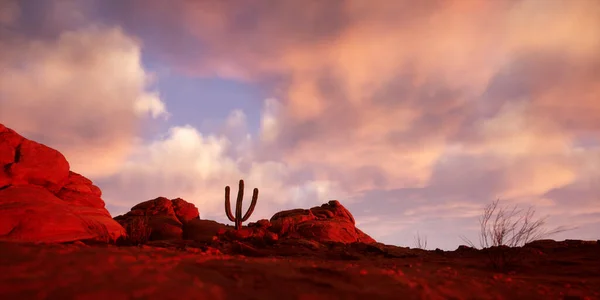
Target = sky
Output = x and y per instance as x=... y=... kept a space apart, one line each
x=413 y=114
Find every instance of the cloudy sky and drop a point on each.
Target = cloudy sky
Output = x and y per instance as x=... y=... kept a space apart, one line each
x=413 y=115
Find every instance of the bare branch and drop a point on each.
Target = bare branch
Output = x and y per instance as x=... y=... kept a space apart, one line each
x=503 y=227
x=420 y=242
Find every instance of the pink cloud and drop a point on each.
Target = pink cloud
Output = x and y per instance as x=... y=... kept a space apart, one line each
x=83 y=93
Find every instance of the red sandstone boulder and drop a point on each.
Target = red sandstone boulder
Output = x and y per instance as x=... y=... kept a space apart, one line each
x=202 y=230
x=42 y=201
x=185 y=211
x=80 y=191
x=33 y=214
x=166 y=217
x=39 y=165
x=330 y=222
x=9 y=141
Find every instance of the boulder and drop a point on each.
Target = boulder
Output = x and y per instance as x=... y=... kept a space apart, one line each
x=330 y=222
x=202 y=230
x=39 y=165
x=41 y=200
x=185 y=211
x=165 y=217
x=33 y=214
x=80 y=191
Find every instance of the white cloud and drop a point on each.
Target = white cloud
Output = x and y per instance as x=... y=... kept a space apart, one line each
x=189 y=164
x=83 y=94
x=268 y=121
x=150 y=103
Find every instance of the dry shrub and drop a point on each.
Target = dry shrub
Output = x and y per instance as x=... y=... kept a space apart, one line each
x=503 y=231
x=420 y=241
x=138 y=231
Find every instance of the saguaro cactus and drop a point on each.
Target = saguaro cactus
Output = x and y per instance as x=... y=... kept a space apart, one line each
x=238 y=219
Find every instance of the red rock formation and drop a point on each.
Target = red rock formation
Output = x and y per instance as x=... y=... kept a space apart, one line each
x=42 y=201
x=177 y=219
x=166 y=217
x=330 y=222
x=203 y=231
x=185 y=211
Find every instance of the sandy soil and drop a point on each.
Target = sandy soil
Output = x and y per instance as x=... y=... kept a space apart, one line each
x=176 y=271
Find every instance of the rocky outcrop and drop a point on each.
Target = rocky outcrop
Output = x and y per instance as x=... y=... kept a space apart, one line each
x=178 y=219
x=330 y=222
x=166 y=218
x=324 y=230
x=41 y=200
x=204 y=231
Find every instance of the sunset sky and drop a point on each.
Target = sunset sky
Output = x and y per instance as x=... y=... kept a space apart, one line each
x=413 y=114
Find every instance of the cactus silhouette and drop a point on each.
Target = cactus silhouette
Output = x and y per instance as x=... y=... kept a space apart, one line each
x=238 y=219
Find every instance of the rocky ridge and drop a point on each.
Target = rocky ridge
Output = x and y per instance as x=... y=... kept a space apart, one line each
x=42 y=200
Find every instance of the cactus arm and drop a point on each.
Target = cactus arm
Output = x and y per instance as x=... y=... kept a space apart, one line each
x=252 y=205
x=228 y=205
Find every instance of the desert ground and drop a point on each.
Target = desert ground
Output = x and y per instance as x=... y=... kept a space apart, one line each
x=291 y=270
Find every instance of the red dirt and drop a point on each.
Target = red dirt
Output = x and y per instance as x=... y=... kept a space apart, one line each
x=174 y=270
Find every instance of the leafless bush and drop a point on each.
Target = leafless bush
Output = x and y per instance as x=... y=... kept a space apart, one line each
x=420 y=241
x=138 y=230
x=503 y=230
